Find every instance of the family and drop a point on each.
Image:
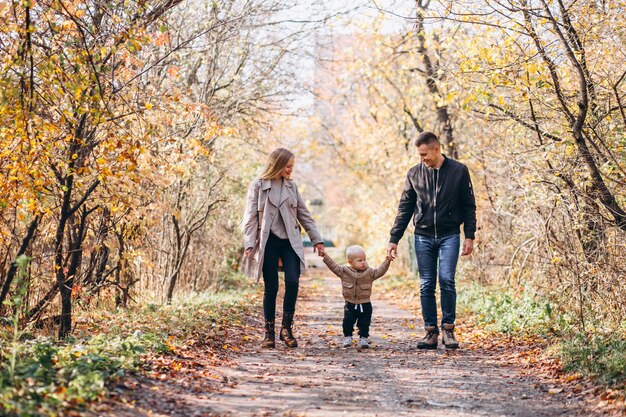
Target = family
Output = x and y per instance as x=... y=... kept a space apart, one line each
x=437 y=195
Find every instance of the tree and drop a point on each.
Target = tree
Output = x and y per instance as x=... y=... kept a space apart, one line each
x=67 y=92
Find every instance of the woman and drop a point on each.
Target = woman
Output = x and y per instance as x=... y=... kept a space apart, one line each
x=274 y=212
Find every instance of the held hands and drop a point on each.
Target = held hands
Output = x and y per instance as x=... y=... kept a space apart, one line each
x=468 y=247
x=392 y=251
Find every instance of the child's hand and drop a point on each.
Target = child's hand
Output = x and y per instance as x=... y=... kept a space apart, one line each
x=390 y=258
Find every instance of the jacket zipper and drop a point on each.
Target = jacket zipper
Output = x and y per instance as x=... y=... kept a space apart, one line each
x=435 y=199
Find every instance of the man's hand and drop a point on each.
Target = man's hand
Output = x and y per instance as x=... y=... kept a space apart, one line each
x=468 y=247
x=247 y=252
x=392 y=250
x=319 y=248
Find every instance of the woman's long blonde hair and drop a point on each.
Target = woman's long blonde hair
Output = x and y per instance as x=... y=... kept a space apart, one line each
x=276 y=162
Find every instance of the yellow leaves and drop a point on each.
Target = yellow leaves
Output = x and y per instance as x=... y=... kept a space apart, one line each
x=148 y=106
x=532 y=67
x=574 y=377
x=134 y=45
x=68 y=26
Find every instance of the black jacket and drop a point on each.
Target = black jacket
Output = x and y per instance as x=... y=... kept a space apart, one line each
x=437 y=214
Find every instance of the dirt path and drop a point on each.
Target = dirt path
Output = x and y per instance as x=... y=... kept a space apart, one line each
x=320 y=378
x=393 y=378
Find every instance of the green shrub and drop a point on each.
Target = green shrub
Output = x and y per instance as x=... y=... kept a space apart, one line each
x=506 y=311
x=48 y=377
x=602 y=357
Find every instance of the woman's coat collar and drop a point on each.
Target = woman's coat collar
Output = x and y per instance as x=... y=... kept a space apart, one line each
x=267 y=184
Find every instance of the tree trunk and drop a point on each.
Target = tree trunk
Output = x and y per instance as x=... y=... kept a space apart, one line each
x=443 y=127
x=66 y=303
x=13 y=269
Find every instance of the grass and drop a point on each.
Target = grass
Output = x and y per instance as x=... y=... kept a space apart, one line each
x=49 y=377
x=505 y=311
x=602 y=357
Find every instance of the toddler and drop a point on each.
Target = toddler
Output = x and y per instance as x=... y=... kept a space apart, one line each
x=356 y=283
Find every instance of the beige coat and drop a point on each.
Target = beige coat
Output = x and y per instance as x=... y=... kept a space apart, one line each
x=261 y=208
x=356 y=285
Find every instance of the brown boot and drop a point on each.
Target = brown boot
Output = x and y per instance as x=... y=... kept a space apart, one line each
x=448 y=336
x=270 y=335
x=430 y=340
x=286 y=334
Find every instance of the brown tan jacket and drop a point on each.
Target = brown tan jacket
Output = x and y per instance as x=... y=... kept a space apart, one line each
x=356 y=285
x=261 y=208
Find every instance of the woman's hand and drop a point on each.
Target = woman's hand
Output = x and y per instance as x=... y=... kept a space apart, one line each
x=247 y=252
x=319 y=248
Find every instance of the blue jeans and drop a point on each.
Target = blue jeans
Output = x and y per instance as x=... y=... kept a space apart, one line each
x=444 y=254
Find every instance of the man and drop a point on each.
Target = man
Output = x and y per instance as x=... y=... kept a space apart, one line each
x=438 y=195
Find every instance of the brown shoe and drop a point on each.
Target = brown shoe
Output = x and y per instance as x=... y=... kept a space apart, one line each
x=430 y=340
x=449 y=340
x=270 y=336
x=286 y=334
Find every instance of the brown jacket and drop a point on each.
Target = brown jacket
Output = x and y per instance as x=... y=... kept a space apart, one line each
x=356 y=285
x=261 y=208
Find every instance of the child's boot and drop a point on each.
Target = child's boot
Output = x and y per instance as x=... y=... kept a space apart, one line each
x=347 y=341
x=363 y=342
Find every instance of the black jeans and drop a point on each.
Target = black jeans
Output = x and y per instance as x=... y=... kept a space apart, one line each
x=361 y=314
x=276 y=249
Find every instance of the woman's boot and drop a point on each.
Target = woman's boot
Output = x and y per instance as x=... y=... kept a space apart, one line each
x=286 y=334
x=270 y=335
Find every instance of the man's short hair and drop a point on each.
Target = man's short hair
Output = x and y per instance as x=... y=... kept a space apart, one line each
x=426 y=138
x=353 y=251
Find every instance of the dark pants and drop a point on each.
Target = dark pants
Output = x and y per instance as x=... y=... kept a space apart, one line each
x=437 y=255
x=352 y=314
x=276 y=249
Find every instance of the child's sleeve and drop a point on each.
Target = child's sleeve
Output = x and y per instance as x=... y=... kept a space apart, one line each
x=332 y=265
x=382 y=269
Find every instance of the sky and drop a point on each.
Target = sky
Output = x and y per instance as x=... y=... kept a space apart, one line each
x=325 y=18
